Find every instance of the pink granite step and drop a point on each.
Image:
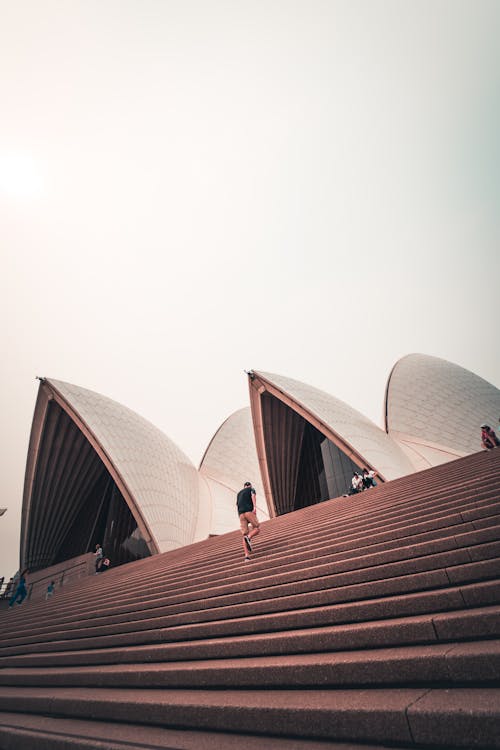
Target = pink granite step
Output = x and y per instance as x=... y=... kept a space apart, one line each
x=342 y=562
x=337 y=587
x=445 y=663
x=406 y=716
x=28 y=732
x=361 y=622
x=446 y=627
x=124 y=612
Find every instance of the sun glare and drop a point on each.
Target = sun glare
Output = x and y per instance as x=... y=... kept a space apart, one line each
x=18 y=175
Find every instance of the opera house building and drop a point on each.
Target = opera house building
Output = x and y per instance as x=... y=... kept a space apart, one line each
x=98 y=472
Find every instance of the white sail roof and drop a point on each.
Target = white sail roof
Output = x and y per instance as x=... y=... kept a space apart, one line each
x=160 y=478
x=355 y=430
x=432 y=404
x=229 y=461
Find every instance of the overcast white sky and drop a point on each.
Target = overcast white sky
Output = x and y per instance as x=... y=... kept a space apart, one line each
x=188 y=189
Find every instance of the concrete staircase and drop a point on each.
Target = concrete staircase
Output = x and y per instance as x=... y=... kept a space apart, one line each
x=365 y=622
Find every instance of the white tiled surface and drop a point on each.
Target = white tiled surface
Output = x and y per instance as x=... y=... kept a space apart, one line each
x=160 y=477
x=376 y=447
x=231 y=460
x=223 y=502
x=440 y=402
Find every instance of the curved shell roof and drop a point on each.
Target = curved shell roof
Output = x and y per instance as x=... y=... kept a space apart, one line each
x=439 y=404
x=354 y=430
x=433 y=412
x=159 y=477
x=229 y=461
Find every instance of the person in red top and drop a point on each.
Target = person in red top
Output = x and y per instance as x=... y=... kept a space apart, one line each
x=489 y=439
x=105 y=563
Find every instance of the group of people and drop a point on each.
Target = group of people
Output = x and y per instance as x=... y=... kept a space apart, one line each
x=16 y=589
x=361 y=482
x=102 y=562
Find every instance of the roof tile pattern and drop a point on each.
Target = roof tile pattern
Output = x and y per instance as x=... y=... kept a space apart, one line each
x=439 y=402
x=371 y=442
x=229 y=461
x=159 y=476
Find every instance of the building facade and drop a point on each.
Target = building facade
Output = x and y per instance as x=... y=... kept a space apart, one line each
x=98 y=472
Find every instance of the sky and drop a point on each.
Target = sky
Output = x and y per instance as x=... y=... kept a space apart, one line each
x=191 y=189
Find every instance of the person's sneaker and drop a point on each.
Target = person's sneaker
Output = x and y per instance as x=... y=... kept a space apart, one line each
x=247 y=559
x=247 y=542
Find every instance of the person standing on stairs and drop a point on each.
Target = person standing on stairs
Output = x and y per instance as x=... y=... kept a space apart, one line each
x=21 y=592
x=98 y=554
x=247 y=511
x=50 y=590
x=489 y=439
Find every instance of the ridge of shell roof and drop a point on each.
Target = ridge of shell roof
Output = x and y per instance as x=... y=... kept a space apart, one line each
x=161 y=479
x=353 y=428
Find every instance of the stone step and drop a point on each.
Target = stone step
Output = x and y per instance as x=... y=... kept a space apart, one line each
x=447 y=664
x=482 y=623
x=35 y=732
x=457 y=550
x=364 y=622
x=464 y=717
x=406 y=604
x=236 y=546
x=294 y=545
x=260 y=570
x=430 y=572
x=316 y=527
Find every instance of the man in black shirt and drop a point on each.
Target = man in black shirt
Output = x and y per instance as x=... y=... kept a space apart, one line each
x=247 y=510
